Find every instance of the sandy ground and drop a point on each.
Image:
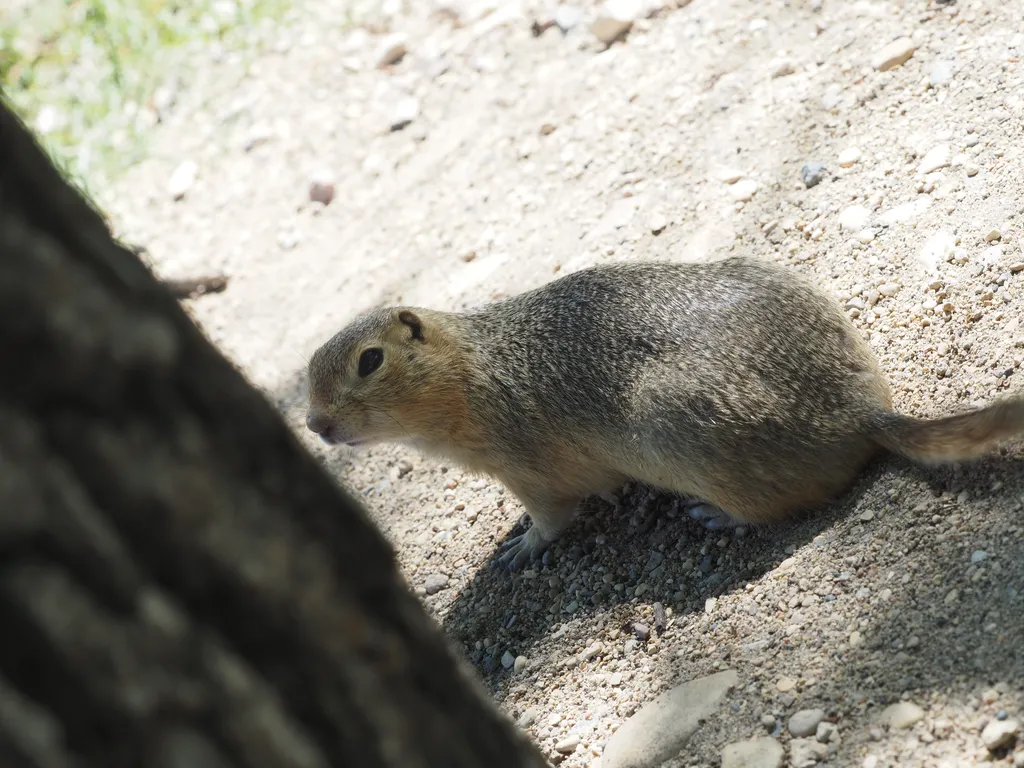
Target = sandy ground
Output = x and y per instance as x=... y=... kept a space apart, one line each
x=529 y=156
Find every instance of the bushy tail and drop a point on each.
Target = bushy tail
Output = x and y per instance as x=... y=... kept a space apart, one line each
x=953 y=438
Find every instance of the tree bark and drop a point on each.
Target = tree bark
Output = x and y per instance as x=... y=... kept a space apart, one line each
x=181 y=585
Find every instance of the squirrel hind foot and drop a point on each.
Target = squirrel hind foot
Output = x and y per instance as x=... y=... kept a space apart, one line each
x=518 y=552
x=711 y=517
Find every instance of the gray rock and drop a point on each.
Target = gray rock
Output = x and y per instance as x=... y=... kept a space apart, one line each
x=1000 y=734
x=805 y=722
x=662 y=728
x=762 y=752
x=903 y=714
x=804 y=753
x=812 y=174
x=826 y=732
x=435 y=582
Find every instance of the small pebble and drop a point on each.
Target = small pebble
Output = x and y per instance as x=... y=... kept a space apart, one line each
x=826 y=732
x=288 y=239
x=567 y=17
x=321 y=190
x=940 y=73
x=805 y=722
x=893 y=55
x=519 y=664
x=528 y=718
x=614 y=20
x=849 y=157
x=999 y=734
x=936 y=158
x=761 y=752
x=805 y=753
x=391 y=50
x=903 y=714
x=785 y=684
x=568 y=745
x=854 y=218
x=978 y=556
x=435 y=582
x=730 y=175
x=182 y=179
x=406 y=110
x=812 y=174
x=744 y=190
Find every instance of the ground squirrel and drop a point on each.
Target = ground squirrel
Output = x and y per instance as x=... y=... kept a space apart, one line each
x=737 y=384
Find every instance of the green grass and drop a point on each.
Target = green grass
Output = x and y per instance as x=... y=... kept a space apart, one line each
x=84 y=73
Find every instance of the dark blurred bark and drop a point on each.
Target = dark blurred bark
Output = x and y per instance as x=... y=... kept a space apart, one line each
x=181 y=585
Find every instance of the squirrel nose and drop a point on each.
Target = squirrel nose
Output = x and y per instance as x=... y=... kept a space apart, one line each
x=317 y=422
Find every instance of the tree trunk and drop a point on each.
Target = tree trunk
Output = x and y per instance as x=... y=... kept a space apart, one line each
x=181 y=585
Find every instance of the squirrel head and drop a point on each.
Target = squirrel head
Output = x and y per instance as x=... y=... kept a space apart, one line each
x=382 y=378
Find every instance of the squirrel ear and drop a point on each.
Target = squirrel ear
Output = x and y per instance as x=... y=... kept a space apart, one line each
x=412 y=320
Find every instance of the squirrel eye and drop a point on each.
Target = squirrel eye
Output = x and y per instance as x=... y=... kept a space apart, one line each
x=370 y=361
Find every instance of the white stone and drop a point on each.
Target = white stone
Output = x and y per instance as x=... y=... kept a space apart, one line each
x=999 y=734
x=937 y=249
x=567 y=17
x=730 y=175
x=406 y=110
x=854 y=218
x=937 y=157
x=849 y=157
x=782 y=68
x=182 y=179
x=743 y=190
x=568 y=745
x=904 y=213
